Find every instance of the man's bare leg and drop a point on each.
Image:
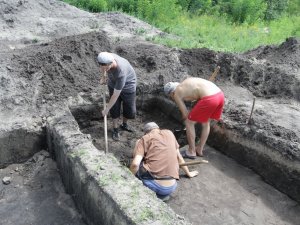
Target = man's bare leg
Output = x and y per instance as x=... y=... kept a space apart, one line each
x=190 y=133
x=115 y=133
x=203 y=138
x=115 y=123
x=125 y=119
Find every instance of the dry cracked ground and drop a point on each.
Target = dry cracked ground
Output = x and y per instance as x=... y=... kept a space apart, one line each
x=48 y=60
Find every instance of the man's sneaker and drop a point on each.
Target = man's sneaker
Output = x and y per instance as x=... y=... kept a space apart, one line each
x=115 y=135
x=124 y=126
x=165 y=198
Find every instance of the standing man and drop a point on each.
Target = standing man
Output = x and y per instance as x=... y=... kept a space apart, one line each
x=209 y=106
x=156 y=161
x=122 y=90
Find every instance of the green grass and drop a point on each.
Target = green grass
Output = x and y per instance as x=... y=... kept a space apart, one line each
x=210 y=31
x=219 y=35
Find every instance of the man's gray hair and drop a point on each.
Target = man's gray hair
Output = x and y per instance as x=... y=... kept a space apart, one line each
x=170 y=87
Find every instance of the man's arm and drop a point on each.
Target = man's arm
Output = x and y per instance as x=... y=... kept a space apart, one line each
x=103 y=78
x=112 y=101
x=134 y=167
x=180 y=103
x=138 y=155
x=189 y=173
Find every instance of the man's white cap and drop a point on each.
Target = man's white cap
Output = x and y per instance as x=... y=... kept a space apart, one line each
x=105 y=58
x=149 y=126
x=170 y=87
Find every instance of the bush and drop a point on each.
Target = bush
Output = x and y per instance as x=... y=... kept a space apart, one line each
x=275 y=8
x=143 y=9
x=293 y=7
x=241 y=11
x=158 y=11
x=196 y=6
x=97 y=5
x=209 y=30
x=91 y=5
x=128 y=6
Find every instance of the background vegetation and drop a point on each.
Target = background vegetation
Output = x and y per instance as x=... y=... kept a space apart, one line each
x=221 y=25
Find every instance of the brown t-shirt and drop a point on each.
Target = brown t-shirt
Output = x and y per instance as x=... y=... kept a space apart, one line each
x=159 y=149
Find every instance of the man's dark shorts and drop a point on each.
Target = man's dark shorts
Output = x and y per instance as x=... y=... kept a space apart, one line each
x=129 y=106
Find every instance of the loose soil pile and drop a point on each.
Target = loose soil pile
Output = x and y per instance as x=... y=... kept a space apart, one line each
x=48 y=59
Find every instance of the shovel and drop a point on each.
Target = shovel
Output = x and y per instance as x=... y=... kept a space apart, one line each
x=193 y=162
x=214 y=74
x=105 y=117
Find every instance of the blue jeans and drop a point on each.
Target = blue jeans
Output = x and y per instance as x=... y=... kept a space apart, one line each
x=160 y=191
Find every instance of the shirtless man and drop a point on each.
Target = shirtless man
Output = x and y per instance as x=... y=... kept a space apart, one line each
x=209 y=106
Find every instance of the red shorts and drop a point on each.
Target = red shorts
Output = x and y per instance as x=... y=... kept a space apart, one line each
x=208 y=107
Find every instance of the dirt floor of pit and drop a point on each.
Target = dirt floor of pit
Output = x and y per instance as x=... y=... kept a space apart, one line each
x=36 y=195
x=224 y=192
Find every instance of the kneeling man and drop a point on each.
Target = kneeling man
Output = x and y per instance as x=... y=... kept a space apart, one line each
x=156 y=160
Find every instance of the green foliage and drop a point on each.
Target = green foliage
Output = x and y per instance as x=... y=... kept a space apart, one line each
x=35 y=40
x=207 y=26
x=213 y=33
x=293 y=7
x=146 y=214
x=97 y=5
x=143 y=9
x=241 y=11
x=287 y=26
x=200 y=6
x=128 y=6
x=91 y=5
x=158 y=11
x=275 y=8
x=196 y=6
x=79 y=153
x=140 y=31
x=185 y=4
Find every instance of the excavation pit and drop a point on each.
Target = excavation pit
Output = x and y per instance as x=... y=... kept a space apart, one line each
x=90 y=121
x=222 y=186
x=31 y=189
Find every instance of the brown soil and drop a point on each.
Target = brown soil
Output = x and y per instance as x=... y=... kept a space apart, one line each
x=48 y=57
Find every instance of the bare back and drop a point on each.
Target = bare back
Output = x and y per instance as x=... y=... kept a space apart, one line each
x=195 y=88
x=192 y=89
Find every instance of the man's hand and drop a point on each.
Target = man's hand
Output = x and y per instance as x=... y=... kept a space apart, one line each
x=192 y=173
x=103 y=80
x=105 y=112
x=135 y=164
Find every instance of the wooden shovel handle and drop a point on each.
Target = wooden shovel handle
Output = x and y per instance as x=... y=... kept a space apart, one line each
x=105 y=117
x=193 y=162
x=214 y=74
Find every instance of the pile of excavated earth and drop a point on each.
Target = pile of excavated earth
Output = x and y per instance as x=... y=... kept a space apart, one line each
x=53 y=165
